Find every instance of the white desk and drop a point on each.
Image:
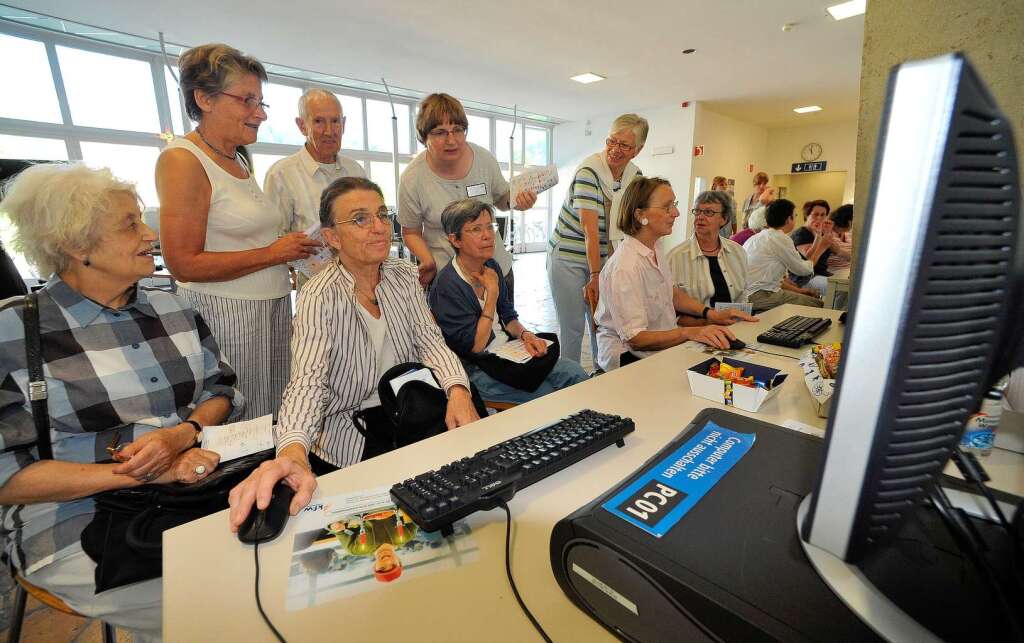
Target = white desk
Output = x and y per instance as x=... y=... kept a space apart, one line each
x=208 y=574
x=748 y=332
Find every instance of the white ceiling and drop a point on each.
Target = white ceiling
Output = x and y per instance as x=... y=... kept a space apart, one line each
x=524 y=52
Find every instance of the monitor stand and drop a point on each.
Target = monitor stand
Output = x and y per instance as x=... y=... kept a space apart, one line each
x=918 y=587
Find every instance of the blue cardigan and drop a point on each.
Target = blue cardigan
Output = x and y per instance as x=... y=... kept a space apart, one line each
x=457 y=310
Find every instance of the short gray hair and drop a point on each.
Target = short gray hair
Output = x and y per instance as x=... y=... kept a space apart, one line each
x=721 y=198
x=55 y=206
x=638 y=124
x=459 y=213
x=210 y=69
x=315 y=92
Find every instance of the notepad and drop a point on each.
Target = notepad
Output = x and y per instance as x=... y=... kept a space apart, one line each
x=239 y=439
x=537 y=179
x=731 y=305
x=515 y=351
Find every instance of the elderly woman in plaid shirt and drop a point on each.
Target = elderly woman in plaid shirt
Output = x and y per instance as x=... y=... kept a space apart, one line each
x=130 y=371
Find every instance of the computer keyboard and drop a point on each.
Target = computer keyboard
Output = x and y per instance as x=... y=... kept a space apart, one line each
x=795 y=331
x=436 y=499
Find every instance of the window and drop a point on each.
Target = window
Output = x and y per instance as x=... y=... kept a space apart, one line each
x=280 y=125
x=135 y=163
x=378 y=123
x=352 y=108
x=502 y=129
x=479 y=131
x=383 y=174
x=36 y=149
x=536 y=146
x=109 y=91
x=261 y=164
x=29 y=93
x=174 y=98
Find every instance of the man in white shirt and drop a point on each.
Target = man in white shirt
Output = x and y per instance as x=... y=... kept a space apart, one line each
x=295 y=182
x=771 y=253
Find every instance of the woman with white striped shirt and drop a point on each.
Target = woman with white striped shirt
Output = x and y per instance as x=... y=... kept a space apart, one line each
x=358 y=317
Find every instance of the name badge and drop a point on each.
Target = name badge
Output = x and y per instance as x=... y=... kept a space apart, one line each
x=480 y=189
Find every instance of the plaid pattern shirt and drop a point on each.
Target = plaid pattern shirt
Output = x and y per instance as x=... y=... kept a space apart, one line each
x=111 y=375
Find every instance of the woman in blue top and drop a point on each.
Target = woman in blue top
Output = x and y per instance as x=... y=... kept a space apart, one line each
x=475 y=312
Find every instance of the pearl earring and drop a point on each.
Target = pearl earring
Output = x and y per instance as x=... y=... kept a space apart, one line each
x=644 y=221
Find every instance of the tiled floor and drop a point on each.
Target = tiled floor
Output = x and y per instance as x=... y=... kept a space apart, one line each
x=536 y=310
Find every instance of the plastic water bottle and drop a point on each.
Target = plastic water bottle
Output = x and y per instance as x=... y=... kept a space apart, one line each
x=980 y=432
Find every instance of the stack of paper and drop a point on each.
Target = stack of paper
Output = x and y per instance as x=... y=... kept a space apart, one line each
x=315 y=262
x=537 y=179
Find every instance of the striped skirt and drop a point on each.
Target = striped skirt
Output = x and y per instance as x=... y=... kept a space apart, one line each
x=253 y=336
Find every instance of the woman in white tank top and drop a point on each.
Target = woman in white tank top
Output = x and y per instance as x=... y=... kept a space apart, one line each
x=220 y=236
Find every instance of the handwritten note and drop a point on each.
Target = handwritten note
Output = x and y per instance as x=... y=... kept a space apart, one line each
x=537 y=179
x=315 y=262
x=515 y=351
x=240 y=439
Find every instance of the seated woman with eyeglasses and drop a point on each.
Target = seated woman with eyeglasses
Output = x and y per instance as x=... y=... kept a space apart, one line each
x=477 y=317
x=358 y=317
x=637 y=312
x=451 y=168
x=710 y=268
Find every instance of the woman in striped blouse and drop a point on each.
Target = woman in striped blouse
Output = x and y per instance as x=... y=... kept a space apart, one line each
x=357 y=318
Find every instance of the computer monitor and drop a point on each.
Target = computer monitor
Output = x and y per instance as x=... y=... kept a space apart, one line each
x=936 y=307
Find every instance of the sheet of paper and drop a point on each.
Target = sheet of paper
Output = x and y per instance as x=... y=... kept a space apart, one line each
x=515 y=351
x=420 y=374
x=744 y=307
x=537 y=179
x=315 y=262
x=796 y=425
x=240 y=439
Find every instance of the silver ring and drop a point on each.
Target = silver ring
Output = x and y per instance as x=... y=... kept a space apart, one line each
x=200 y=470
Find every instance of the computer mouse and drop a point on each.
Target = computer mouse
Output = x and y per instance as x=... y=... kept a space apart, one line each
x=735 y=344
x=261 y=526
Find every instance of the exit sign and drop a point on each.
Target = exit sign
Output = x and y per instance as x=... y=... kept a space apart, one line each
x=812 y=166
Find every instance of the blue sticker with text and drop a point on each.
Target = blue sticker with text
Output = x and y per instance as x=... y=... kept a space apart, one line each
x=660 y=496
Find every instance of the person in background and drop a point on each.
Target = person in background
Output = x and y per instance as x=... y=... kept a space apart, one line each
x=721 y=184
x=358 y=317
x=816 y=220
x=707 y=267
x=448 y=170
x=753 y=201
x=476 y=313
x=842 y=242
x=125 y=366
x=221 y=237
x=580 y=242
x=296 y=182
x=637 y=314
x=771 y=254
x=756 y=220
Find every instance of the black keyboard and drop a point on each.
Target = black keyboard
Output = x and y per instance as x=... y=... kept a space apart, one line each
x=795 y=331
x=436 y=499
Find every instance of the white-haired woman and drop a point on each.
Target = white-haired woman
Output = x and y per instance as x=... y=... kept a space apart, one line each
x=125 y=367
x=586 y=224
x=711 y=269
x=220 y=235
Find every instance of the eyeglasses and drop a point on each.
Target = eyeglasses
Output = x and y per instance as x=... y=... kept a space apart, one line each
x=442 y=134
x=365 y=219
x=625 y=147
x=479 y=229
x=668 y=207
x=250 y=101
x=705 y=212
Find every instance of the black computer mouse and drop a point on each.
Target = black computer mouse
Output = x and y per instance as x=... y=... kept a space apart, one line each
x=261 y=526
x=736 y=344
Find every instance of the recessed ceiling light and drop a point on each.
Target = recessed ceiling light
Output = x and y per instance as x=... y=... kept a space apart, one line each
x=689 y=51
x=586 y=78
x=849 y=9
x=809 y=108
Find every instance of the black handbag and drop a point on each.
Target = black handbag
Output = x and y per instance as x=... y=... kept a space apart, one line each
x=125 y=537
x=525 y=377
x=416 y=412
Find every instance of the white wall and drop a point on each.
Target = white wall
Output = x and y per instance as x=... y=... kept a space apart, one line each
x=730 y=147
x=670 y=126
x=839 y=147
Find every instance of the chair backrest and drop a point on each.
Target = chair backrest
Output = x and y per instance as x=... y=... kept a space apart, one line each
x=11 y=283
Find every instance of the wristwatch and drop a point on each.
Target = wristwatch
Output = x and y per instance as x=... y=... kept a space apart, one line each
x=199 y=431
x=704 y=314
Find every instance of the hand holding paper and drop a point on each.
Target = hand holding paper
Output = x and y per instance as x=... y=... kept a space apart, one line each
x=534 y=179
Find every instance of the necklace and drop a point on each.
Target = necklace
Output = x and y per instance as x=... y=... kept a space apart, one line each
x=369 y=296
x=713 y=253
x=233 y=157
